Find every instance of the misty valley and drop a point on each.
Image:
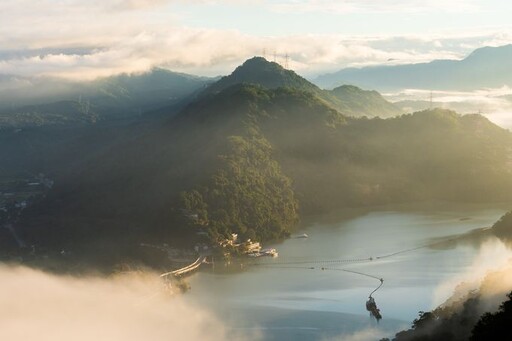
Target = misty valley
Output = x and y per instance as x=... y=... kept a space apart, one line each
x=260 y=205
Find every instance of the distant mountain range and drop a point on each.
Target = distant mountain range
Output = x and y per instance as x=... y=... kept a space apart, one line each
x=47 y=101
x=26 y=102
x=487 y=67
x=248 y=159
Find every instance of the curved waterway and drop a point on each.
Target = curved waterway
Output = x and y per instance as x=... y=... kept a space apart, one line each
x=287 y=301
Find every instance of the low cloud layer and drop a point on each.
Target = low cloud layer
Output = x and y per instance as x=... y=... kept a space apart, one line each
x=85 y=40
x=205 y=52
x=369 y=6
x=490 y=273
x=39 y=306
x=495 y=104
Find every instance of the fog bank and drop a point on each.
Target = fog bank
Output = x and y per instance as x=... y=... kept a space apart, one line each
x=40 y=306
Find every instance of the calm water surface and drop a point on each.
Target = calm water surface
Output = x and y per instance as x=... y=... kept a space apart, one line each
x=291 y=302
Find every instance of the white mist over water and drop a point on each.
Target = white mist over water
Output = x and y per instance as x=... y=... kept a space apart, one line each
x=493 y=103
x=40 y=306
x=490 y=272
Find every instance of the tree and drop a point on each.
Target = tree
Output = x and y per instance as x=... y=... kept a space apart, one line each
x=495 y=326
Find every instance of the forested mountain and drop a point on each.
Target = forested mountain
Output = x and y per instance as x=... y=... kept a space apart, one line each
x=50 y=114
x=348 y=100
x=250 y=160
x=371 y=103
x=27 y=102
x=487 y=67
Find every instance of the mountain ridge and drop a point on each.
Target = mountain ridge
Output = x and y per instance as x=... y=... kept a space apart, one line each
x=252 y=161
x=484 y=67
x=271 y=75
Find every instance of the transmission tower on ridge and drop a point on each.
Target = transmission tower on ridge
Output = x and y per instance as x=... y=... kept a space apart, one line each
x=286 y=60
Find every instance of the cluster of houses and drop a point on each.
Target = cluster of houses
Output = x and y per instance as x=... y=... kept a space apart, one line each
x=248 y=247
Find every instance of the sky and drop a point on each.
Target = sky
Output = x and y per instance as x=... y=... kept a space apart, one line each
x=77 y=39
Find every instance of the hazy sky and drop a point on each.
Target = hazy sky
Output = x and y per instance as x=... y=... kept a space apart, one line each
x=86 y=39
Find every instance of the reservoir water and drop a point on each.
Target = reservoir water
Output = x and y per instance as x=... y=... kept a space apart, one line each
x=288 y=301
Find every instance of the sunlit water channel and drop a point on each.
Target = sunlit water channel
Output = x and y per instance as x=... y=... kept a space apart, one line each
x=292 y=302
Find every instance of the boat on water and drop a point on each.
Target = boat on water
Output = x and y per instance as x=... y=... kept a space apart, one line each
x=302 y=236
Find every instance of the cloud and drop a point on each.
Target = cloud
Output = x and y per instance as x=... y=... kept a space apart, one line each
x=371 y=6
x=39 y=306
x=87 y=39
x=491 y=272
x=204 y=51
x=495 y=104
x=138 y=4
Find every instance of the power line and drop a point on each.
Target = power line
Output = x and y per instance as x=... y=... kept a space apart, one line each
x=356 y=260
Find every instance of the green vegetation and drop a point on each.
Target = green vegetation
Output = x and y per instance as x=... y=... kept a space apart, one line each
x=348 y=100
x=46 y=102
x=249 y=160
x=58 y=113
x=369 y=103
x=248 y=195
x=259 y=71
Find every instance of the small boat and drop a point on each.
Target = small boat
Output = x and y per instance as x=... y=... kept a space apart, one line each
x=302 y=236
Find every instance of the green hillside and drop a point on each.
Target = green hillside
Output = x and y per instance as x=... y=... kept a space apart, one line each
x=348 y=100
x=250 y=160
x=371 y=103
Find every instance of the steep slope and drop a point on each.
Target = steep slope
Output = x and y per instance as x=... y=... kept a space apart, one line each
x=350 y=101
x=486 y=67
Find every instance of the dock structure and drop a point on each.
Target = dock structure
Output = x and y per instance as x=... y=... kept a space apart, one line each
x=185 y=270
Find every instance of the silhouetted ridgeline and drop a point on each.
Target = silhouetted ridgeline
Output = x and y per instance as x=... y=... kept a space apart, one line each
x=461 y=322
x=503 y=227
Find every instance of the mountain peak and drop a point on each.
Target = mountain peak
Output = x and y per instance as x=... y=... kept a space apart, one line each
x=491 y=54
x=259 y=71
x=260 y=63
